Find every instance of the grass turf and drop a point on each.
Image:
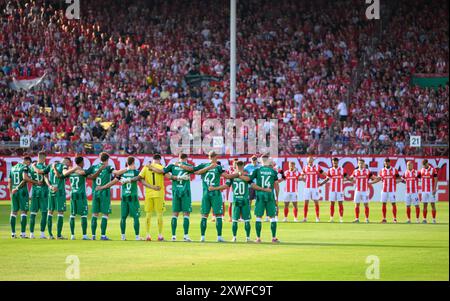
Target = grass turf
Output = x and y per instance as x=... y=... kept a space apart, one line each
x=311 y=251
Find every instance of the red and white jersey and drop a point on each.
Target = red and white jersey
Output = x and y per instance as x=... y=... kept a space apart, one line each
x=291 y=180
x=312 y=176
x=412 y=181
x=362 y=179
x=389 y=177
x=229 y=171
x=336 y=176
x=428 y=178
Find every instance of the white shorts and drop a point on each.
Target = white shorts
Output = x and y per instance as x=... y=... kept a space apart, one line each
x=361 y=197
x=336 y=197
x=388 y=196
x=428 y=197
x=311 y=194
x=412 y=199
x=290 y=197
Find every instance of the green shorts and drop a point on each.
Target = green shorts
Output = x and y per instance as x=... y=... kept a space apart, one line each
x=265 y=202
x=129 y=206
x=241 y=208
x=39 y=200
x=78 y=204
x=212 y=199
x=20 y=201
x=57 y=202
x=181 y=201
x=101 y=202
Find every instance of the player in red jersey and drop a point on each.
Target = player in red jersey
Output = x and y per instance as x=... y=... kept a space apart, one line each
x=292 y=176
x=310 y=174
x=361 y=177
x=411 y=180
x=337 y=176
x=389 y=175
x=429 y=177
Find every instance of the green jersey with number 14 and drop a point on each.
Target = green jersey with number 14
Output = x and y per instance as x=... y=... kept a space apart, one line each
x=265 y=177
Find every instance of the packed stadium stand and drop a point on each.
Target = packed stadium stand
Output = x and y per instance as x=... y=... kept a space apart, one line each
x=115 y=79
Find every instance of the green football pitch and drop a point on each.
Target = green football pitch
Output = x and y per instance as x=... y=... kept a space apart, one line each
x=308 y=251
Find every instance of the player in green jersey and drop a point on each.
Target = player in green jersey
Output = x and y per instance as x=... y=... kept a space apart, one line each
x=101 y=199
x=39 y=195
x=181 y=193
x=129 y=197
x=241 y=201
x=266 y=177
x=17 y=184
x=78 y=198
x=56 y=181
x=211 y=173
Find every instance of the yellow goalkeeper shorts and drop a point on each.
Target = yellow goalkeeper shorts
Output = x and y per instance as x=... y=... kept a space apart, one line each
x=154 y=204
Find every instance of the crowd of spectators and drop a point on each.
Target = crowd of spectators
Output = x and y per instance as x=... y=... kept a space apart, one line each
x=116 y=78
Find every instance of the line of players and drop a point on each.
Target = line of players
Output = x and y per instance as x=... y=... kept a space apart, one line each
x=49 y=196
x=362 y=177
x=254 y=181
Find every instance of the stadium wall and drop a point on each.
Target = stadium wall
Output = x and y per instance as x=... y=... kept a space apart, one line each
x=349 y=163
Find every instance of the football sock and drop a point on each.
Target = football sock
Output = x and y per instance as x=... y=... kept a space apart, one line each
x=273 y=227
x=23 y=223
x=286 y=212
x=160 y=223
x=203 y=226
x=186 y=225
x=84 y=224
x=12 y=221
x=247 y=228
x=357 y=211
x=394 y=210
x=50 y=224
x=366 y=211
x=136 y=226
x=59 y=225
x=383 y=210
x=230 y=209
x=148 y=220
x=425 y=212
x=408 y=212
x=331 y=210
x=103 y=225
x=32 y=221
x=317 y=210
x=258 y=226
x=417 y=212
x=43 y=221
x=341 y=210
x=433 y=213
x=295 y=212
x=234 y=228
x=123 y=225
x=305 y=211
x=72 y=225
x=94 y=224
x=173 y=224
x=219 y=224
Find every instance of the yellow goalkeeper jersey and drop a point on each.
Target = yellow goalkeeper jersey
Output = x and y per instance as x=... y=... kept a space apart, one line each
x=154 y=179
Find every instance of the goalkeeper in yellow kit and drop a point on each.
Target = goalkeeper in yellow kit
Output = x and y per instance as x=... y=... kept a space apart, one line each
x=154 y=200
